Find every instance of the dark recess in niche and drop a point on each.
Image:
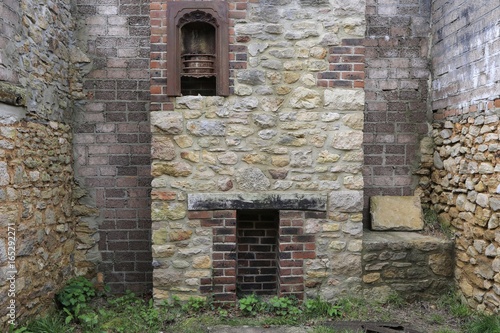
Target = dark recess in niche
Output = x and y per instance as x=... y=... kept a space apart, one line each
x=197 y=48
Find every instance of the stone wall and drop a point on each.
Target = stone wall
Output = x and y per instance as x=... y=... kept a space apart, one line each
x=397 y=76
x=463 y=185
x=36 y=206
x=112 y=140
x=292 y=125
x=40 y=66
x=10 y=19
x=412 y=265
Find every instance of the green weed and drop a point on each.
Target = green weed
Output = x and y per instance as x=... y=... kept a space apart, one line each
x=318 y=307
x=250 y=305
x=484 y=324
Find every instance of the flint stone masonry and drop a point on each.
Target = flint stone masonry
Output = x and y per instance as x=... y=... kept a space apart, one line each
x=40 y=80
x=36 y=207
x=288 y=138
x=396 y=213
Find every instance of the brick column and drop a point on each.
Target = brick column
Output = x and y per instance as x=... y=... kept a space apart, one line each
x=294 y=247
x=222 y=283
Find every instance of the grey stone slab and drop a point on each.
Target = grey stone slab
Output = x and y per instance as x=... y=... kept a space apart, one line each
x=220 y=201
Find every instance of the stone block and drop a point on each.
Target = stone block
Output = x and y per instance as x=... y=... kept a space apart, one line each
x=346 y=201
x=396 y=213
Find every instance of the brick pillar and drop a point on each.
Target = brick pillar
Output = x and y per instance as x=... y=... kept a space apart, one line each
x=294 y=247
x=222 y=284
x=112 y=144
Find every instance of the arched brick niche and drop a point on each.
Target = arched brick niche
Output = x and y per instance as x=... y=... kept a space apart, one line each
x=198 y=48
x=247 y=256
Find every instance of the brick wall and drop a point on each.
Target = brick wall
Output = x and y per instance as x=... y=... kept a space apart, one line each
x=112 y=140
x=257 y=240
x=397 y=74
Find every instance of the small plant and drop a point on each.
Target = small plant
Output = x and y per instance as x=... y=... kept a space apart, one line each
x=195 y=304
x=484 y=324
x=50 y=324
x=250 y=305
x=452 y=301
x=223 y=313
x=395 y=300
x=434 y=223
x=319 y=307
x=283 y=306
x=76 y=294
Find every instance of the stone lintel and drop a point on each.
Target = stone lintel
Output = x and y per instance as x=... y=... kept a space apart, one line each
x=222 y=201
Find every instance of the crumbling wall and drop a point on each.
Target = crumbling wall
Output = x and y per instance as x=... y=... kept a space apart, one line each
x=36 y=175
x=463 y=185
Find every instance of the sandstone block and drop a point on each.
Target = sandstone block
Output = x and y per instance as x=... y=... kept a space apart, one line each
x=251 y=77
x=168 y=122
x=202 y=262
x=305 y=98
x=441 y=264
x=4 y=174
x=175 y=169
x=346 y=201
x=354 y=120
x=191 y=102
x=206 y=127
x=396 y=213
x=371 y=277
x=344 y=99
x=252 y=179
x=179 y=235
x=347 y=140
x=162 y=148
x=183 y=141
x=162 y=211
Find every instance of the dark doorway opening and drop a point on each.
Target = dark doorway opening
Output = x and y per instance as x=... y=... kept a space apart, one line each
x=257 y=252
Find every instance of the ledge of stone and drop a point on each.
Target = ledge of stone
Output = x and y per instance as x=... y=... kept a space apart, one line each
x=12 y=95
x=221 y=201
x=403 y=239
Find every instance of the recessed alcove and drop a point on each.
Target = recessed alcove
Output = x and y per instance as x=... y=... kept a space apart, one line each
x=197 y=48
x=257 y=252
x=259 y=241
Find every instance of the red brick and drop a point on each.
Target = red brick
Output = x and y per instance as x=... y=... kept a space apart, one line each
x=304 y=255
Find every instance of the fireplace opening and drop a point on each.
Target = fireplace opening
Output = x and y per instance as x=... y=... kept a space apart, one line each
x=256 y=252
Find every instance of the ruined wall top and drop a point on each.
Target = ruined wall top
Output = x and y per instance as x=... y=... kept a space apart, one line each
x=38 y=53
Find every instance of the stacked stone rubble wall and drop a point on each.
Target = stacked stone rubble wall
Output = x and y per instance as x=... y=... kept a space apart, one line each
x=36 y=209
x=463 y=188
x=39 y=59
x=462 y=181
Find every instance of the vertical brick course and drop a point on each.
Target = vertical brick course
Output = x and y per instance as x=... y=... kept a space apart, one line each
x=112 y=137
x=396 y=95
